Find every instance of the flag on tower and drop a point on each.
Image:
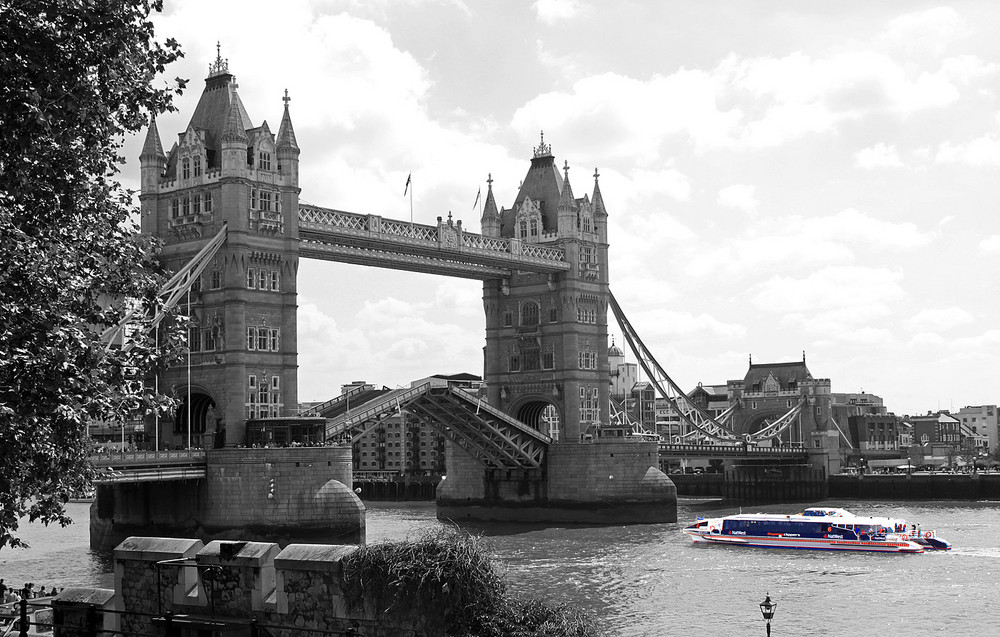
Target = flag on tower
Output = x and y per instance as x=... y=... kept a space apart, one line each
x=407 y=188
x=478 y=192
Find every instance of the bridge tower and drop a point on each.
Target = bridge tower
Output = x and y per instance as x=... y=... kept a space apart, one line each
x=224 y=170
x=546 y=359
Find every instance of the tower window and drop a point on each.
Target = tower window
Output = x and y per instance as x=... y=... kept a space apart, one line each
x=197 y=166
x=207 y=202
x=264 y=160
x=197 y=204
x=529 y=313
x=175 y=208
x=186 y=206
x=185 y=168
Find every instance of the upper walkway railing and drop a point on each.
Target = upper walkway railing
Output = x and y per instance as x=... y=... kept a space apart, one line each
x=150 y=466
x=445 y=248
x=736 y=450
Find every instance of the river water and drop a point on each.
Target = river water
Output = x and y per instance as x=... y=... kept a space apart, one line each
x=651 y=579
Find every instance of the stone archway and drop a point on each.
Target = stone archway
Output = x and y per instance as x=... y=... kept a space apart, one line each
x=760 y=419
x=540 y=415
x=204 y=419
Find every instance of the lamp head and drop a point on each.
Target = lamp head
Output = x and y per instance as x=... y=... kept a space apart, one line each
x=767 y=607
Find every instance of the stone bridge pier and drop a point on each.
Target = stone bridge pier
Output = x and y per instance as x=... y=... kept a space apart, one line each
x=277 y=495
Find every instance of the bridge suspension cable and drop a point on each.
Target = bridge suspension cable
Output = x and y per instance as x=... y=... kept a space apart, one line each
x=697 y=418
x=173 y=290
x=701 y=423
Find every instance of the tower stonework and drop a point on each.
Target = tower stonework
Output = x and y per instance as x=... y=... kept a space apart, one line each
x=223 y=170
x=546 y=364
x=546 y=335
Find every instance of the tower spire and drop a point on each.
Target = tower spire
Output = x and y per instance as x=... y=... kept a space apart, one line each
x=566 y=198
x=152 y=148
x=490 y=221
x=286 y=134
x=598 y=200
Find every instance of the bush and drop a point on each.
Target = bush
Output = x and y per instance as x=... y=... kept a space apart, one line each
x=450 y=581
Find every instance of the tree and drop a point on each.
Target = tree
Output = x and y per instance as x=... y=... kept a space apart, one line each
x=77 y=77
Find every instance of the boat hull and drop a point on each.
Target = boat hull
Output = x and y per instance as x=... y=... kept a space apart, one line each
x=810 y=544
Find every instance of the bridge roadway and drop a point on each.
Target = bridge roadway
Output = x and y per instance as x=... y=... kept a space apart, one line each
x=190 y=464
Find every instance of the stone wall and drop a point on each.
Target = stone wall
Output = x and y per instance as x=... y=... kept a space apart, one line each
x=613 y=482
x=281 y=495
x=227 y=585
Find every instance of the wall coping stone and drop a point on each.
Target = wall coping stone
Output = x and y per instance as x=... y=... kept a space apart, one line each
x=254 y=554
x=154 y=549
x=313 y=557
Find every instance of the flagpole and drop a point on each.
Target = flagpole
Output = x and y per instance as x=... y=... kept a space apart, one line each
x=408 y=180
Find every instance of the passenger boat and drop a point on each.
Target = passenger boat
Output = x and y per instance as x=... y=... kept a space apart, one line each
x=816 y=528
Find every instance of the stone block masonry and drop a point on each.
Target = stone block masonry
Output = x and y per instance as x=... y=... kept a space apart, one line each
x=167 y=584
x=278 y=495
x=614 y=482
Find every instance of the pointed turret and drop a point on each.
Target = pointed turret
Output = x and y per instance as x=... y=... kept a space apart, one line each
x=286 y=134
x=600 y=212
x=288 y=149
x=234 y=130
x=597 y=199
x=567 y=206
x=152 y=148
x=233 y=142
x=152 y=161
x=490 y=221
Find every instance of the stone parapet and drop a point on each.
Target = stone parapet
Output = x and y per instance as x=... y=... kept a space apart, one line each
x=225 y=586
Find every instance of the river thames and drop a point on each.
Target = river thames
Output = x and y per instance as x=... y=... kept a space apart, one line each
x=651 y=579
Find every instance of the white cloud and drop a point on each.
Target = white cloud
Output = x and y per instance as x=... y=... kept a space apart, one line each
x=878 y=156
x=929 y=31
x=990 y=244
x=553 y=11
x=832 y=288
x=740 y=197
x=938 y=319
x=980 y=152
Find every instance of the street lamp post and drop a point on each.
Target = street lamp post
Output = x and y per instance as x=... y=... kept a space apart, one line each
x=767 y=609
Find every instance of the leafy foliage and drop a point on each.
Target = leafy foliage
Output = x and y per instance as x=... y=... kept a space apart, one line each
x=77 y=76
x=451 y=580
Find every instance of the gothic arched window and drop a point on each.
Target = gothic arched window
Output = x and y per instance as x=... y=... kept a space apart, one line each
x=197 y=166
x=185 y=168
x=529 y=313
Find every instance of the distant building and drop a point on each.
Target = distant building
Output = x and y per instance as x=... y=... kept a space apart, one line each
x=982 y=420
x=937 y=428
x=624 y=375
x=874 y=432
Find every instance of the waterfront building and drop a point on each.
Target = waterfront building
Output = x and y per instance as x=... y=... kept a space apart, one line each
x=869 y=432
x=983 y=420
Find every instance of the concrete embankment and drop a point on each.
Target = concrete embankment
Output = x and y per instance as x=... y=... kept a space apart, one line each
x=917 y=486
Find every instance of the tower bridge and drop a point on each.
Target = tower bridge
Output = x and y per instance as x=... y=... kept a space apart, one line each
x=522 y=453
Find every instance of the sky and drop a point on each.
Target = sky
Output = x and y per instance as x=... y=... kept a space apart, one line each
x=780 y=177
